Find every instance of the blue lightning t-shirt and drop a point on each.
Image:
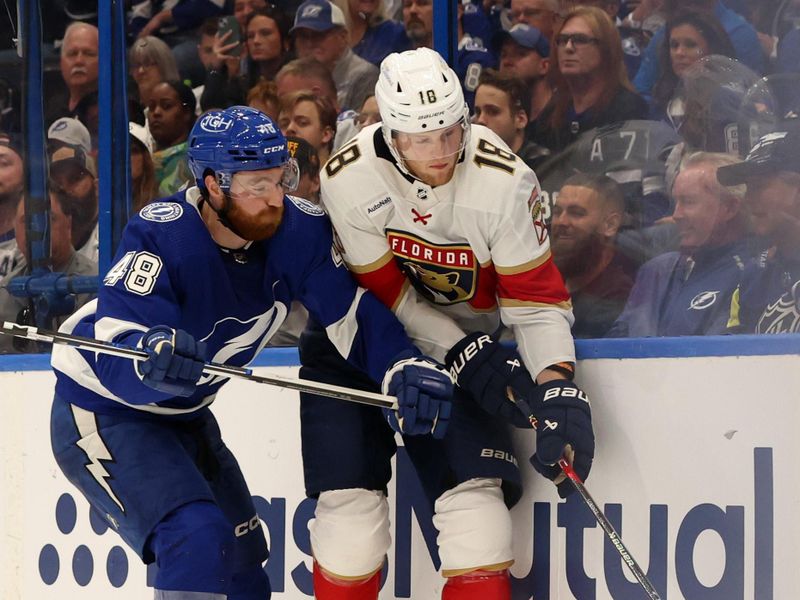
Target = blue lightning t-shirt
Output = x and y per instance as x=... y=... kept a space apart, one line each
x=169 y=271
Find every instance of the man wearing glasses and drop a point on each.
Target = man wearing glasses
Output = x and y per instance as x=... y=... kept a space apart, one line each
x=542 y=14
x=592 y=86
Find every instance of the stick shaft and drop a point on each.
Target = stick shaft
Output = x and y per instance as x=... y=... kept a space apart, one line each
x=601 y=518
x=302 y=385
x=612 y=534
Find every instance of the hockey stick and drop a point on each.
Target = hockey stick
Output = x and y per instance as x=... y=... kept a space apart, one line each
x=302 y=385
x=601 y=518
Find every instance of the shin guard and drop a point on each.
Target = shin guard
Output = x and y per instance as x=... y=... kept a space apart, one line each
x=330 y=587
x=478 y=585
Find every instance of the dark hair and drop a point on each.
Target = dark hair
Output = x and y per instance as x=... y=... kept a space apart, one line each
x=712 y=32
x=274 y=13
x=185 y=94
x=255 y=72
x=606 y=188
x=519 y=94
x=209 y=27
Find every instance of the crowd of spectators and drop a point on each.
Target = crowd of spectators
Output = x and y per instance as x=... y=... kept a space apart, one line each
x=633 y=114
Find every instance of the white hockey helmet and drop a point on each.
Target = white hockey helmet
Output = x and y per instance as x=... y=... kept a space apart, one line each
x=418 y=93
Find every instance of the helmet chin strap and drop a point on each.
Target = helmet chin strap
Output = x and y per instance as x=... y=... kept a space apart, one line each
x=222 y=214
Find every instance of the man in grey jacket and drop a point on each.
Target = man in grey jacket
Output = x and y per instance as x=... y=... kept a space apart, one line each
x=320 y=32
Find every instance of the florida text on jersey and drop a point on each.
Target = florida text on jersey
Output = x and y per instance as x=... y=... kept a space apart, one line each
x=475 y=248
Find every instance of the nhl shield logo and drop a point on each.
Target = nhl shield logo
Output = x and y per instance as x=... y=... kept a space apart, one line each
x=443 y=274
x=783 y=315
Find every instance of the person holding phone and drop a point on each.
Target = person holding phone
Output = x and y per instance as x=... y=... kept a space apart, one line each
x=243 y=57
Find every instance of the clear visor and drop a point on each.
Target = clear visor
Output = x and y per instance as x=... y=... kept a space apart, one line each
x=431 y=145
x=259 y=183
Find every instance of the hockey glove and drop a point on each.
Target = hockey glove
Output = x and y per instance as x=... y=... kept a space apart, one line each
x=175 y=361
x=485 y=369
x=424 y=393
x=563 y=418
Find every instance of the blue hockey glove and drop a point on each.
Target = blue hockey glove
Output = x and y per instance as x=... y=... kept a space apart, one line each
x=563 y=418
x=176 y=361
x=424 y=393
x=485 y=369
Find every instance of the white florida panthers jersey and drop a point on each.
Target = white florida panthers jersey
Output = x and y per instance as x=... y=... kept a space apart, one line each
x=455 y=258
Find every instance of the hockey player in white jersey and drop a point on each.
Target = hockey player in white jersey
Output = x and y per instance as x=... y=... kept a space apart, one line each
x=443 y=223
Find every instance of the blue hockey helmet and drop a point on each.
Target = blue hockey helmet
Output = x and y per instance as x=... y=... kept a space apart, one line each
x=238 y=138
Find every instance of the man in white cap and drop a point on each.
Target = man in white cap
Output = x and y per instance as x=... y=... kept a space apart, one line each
x=73 y=174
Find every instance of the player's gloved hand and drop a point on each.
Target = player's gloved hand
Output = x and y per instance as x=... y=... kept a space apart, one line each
x=563 y=426
x=485 y=368
x=175 y=361
x=424 y=393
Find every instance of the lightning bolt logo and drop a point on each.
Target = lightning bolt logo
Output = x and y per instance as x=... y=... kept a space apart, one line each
x=95 y=449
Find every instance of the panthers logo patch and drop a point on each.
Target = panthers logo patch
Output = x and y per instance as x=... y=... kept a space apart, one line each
x=443 y=274
x=537 y=215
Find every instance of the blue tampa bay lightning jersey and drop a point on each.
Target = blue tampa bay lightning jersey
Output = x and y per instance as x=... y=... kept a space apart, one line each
x=168 y=270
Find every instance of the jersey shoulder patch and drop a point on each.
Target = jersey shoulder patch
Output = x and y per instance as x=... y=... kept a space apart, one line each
x=306 y=206
x=161 y=212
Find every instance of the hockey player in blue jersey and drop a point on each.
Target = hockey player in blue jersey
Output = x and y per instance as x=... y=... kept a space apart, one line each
x=209 y=274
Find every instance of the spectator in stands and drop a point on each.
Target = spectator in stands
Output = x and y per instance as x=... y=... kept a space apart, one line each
x=267 y=45
x=689 y=36
x=768 y=300
x=587 y=215
x=171 y=116
x=79 y=65
x=205 y=52
x=542 y=14
x=501 y=103
x=368 y=113
x=688 y=292
x=175 y=21
x=63 y=259
x=592 y=86
x=525 y=54
x=143 y=175
x=242 y=9
x=73 y=176
x=634 y=40
x=320 y=32
x=310 y=117
x=742 y=35
x=373 y=35
x=308 y=74
x=472 y=57
x=150 y=62
x=263 y=96
x=11 y=186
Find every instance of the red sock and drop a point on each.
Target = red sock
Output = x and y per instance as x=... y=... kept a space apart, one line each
x=328 y=587
x=478 y=585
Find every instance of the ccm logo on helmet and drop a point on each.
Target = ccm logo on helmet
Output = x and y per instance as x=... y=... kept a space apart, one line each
x=215 y=123
x=274 y=149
